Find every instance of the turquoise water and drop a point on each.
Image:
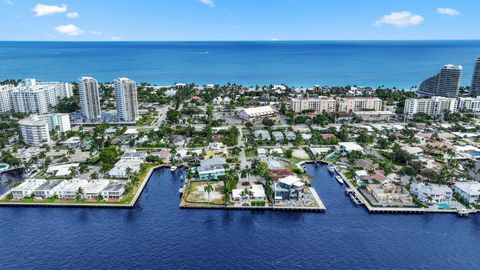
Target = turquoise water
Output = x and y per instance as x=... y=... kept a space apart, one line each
x=443 y=205
x=298 y=63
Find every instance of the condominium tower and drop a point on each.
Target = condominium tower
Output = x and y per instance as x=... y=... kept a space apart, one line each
x=444 y=84
x=126 y=98
x=434 y=106
x=330 y=104
x=475 y=88
x=31 y=96
x=89 y=98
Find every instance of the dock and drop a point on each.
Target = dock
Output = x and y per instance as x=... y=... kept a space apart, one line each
x=351 y=189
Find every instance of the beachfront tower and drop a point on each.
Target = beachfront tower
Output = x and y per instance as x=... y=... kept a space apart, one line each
x=444 y=84
x=89 y=98
x=126 y=98
x=475 y=88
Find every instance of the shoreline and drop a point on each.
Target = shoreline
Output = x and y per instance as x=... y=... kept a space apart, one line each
x=130 y=204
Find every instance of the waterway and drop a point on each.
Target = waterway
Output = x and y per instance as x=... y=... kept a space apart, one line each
x=156 y=234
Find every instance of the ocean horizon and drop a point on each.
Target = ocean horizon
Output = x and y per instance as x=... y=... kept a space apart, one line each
x=391 y=63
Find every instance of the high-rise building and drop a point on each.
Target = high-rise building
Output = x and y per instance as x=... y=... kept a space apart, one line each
x=318 y=105
x=34 y=131
x=89 y=98
x=126 y=98
x=32 y=96
x=36 y=128
x=330 y=104
x=469 y=104
x=444 y=84
x=475 y=88
x=434 y=106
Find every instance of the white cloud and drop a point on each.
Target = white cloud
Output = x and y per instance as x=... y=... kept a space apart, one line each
x=72 y=15
x=115 y=38
x=8 y=2
x=209 y=3
x=43 y=10
x=402 y=18
x=69 y=29
x=93 y=32
x=448 y=11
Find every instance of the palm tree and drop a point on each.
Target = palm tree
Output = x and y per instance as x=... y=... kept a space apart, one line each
x=79 y=194
x=208 y=188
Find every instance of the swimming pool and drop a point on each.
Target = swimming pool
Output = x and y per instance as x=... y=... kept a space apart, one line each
x=443 y=205
x=3 y=166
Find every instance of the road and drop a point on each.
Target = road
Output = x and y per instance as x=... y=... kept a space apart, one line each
x=243 y=158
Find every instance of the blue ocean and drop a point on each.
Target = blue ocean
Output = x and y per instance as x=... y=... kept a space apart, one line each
x=156 y=234
x=299 y=63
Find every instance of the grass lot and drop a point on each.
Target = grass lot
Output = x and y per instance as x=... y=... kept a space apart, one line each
x=195 y=194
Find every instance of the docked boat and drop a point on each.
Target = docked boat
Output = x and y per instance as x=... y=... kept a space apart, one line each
x=331 y=168
x=173 y=168
x=355 y=199
x=339 y=179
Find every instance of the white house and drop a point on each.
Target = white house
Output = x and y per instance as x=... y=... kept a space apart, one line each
x=469 y=191
x=432 y=193
x=26 y=188
x=347 y=147
x=257 y=193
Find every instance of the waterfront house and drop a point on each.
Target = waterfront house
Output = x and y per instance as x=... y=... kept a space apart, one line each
x=26 y=188
x=256 y=192
x=390 y=194
x=288 y=188
x=92 y=189
x=48 y=189
x=114 y=190
x=211 y=169
x=71 y=189
x=432 y=193
x=130 y=161
x=121 y=168
x=469 y=191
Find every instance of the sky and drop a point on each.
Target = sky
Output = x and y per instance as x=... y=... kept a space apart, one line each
x=178 y=20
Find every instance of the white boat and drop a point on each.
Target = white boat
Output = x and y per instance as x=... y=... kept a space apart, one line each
x=180 y=190
x=173 y=168
x=339 y=179
x=355 y=199
x=331 y=168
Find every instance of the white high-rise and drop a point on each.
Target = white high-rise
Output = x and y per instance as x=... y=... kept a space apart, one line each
x=126 y=98
x=32 y=96
x=34 y=131
x=434 y=106
x=89 y=98
x=36 y=128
